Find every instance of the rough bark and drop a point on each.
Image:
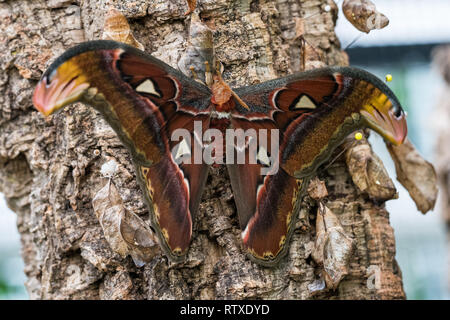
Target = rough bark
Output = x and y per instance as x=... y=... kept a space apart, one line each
x=50 y=168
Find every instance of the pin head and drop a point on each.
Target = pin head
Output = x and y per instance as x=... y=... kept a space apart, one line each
x=389 y=77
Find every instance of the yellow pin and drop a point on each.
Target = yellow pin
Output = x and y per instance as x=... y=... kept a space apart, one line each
x=389 y=77
x=358 y=136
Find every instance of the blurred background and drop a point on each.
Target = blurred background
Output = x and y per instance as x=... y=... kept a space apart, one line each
x=12 y=278
x=402 y=49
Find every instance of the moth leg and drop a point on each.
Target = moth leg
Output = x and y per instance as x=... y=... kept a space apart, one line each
x=194 y=74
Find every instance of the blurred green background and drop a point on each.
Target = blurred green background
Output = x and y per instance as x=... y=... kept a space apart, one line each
x=12 y=278
x=403 y=50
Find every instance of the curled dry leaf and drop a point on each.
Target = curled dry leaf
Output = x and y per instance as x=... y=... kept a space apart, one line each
x=142 y=243
x=416 y=174
x=363 y=15
x=333 y=247
x=368 y=172
x=116 y=28
x=126 y=233
x=200 y=49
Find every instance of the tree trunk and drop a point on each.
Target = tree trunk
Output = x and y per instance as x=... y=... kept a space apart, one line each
x=50 y=168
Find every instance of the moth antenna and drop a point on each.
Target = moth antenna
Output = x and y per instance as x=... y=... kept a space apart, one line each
x=234 y=94
x=219 y=75
x=207 y=67
x=241 y=102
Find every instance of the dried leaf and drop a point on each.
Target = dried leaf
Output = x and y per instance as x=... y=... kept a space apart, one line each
x=142 y=243
x=109 y=210
x=337 y=252
x=363 y=15
x=368 y=172
x=126 y=233
x=333 y=248
x=416 y=174
x=116 y=28
x=321 y=237
x=200 y=49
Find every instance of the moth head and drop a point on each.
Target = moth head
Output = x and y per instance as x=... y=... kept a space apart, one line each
x=384 y=115
x=59 y=86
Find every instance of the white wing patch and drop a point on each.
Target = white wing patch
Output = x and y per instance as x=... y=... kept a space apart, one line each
x=182 y=150
x=148 y=87
x=263 y=157
x=305 y=103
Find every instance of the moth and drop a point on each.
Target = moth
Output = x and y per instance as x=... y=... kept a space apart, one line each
x=307 y=115
x=363 y=15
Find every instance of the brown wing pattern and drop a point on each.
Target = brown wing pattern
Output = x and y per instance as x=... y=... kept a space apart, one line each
x=145 y=101
x=314 y=111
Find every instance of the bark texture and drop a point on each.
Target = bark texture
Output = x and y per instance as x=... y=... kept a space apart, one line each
x=50 y=168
